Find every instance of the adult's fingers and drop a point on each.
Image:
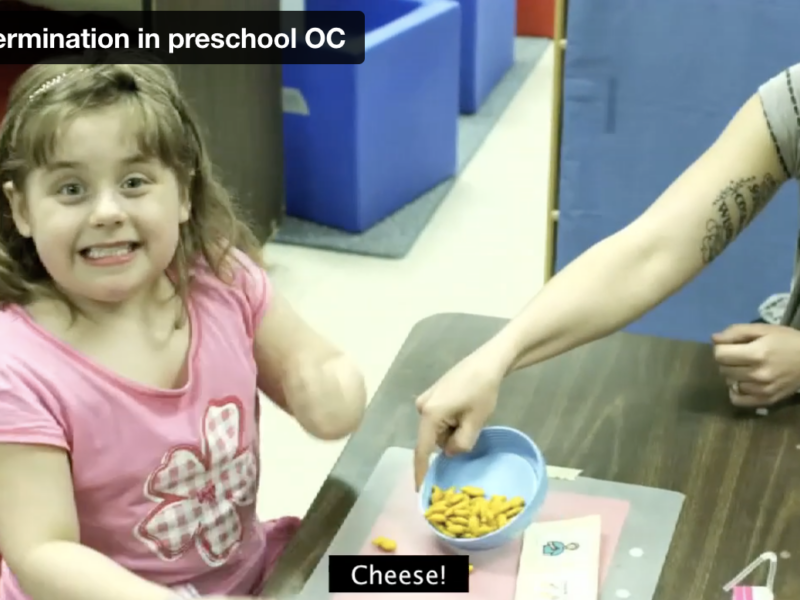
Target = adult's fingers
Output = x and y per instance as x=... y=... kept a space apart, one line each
x=464 y=437
x=743 y=395
x=442 y=438
x=755 y=390
x=735 y=355
x=427 y=435
x=746 y=401
x=741 y=333
x=740 y=373
x=422 y=399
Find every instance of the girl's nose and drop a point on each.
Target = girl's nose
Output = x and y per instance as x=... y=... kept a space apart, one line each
x=107 y=209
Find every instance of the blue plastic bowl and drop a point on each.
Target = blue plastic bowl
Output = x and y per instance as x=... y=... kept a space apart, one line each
x=503 y=462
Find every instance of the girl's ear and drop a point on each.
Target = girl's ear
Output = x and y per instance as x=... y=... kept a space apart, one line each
x=18 y=212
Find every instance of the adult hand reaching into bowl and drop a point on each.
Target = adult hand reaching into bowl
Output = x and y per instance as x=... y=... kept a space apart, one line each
x=454 y=410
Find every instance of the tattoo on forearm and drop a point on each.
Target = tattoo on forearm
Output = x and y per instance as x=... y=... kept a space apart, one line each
x=737 y=205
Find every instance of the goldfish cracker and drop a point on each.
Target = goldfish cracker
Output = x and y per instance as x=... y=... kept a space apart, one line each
x=455 y=529
x=385 y=544
x=486 y=514
x=438 y=508
x=496 y=502
x=472 y=492
x=456 y=499
x=443 y=530
x=457 y=510
x=437 y=495
x=474 y=524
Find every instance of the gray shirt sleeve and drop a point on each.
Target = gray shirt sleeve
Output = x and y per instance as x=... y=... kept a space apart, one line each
x=779 y=98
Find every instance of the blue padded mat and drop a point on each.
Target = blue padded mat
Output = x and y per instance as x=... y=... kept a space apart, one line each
x=648 y=86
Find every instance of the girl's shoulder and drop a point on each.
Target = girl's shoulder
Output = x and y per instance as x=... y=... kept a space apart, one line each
x=239 y=285
x=14 y=325
x=30 y=368
x=233 y=268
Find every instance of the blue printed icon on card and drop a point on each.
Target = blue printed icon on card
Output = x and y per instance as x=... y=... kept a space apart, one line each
x=558 y=548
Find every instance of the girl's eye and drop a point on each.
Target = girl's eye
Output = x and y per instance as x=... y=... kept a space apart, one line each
x=71 y=189
x=133 y=183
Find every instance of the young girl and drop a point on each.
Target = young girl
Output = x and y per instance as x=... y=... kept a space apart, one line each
x=137 y=325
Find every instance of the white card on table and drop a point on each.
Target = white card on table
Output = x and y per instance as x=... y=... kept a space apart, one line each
x=560 y=560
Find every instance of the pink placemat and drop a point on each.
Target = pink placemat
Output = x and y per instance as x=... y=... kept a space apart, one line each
x=495 y=573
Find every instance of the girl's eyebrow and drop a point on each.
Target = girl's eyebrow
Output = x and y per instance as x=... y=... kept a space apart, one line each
x=62 y=164
x=136 y=159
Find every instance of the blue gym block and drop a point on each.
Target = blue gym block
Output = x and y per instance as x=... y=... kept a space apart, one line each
x=362 y=141
x=488 y=29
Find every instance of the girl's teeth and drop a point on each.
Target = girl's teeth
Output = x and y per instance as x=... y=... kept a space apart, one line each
x=109 y=251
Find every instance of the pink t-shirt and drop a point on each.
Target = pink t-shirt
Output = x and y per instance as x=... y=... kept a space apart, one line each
x=165 y=480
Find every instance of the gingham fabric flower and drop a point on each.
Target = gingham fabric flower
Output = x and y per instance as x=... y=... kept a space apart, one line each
x=199 y=490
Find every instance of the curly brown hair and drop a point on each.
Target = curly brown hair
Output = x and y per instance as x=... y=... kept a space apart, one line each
x=47 y=97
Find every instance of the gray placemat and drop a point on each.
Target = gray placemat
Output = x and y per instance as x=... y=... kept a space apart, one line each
x=649 y=526
x=395 y=236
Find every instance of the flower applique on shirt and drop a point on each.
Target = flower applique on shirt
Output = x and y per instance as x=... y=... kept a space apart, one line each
x=199 y=490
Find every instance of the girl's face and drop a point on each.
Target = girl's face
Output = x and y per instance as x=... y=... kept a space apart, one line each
x=104 y=219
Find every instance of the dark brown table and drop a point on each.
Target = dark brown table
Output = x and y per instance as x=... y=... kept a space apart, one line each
x=632 y=409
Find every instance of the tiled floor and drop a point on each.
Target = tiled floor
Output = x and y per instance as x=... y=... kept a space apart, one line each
x=483 y=253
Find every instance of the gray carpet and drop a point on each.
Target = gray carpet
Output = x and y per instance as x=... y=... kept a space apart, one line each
x=395 y=236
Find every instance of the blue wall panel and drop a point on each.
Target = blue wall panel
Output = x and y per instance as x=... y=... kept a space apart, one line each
x=648 y=86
